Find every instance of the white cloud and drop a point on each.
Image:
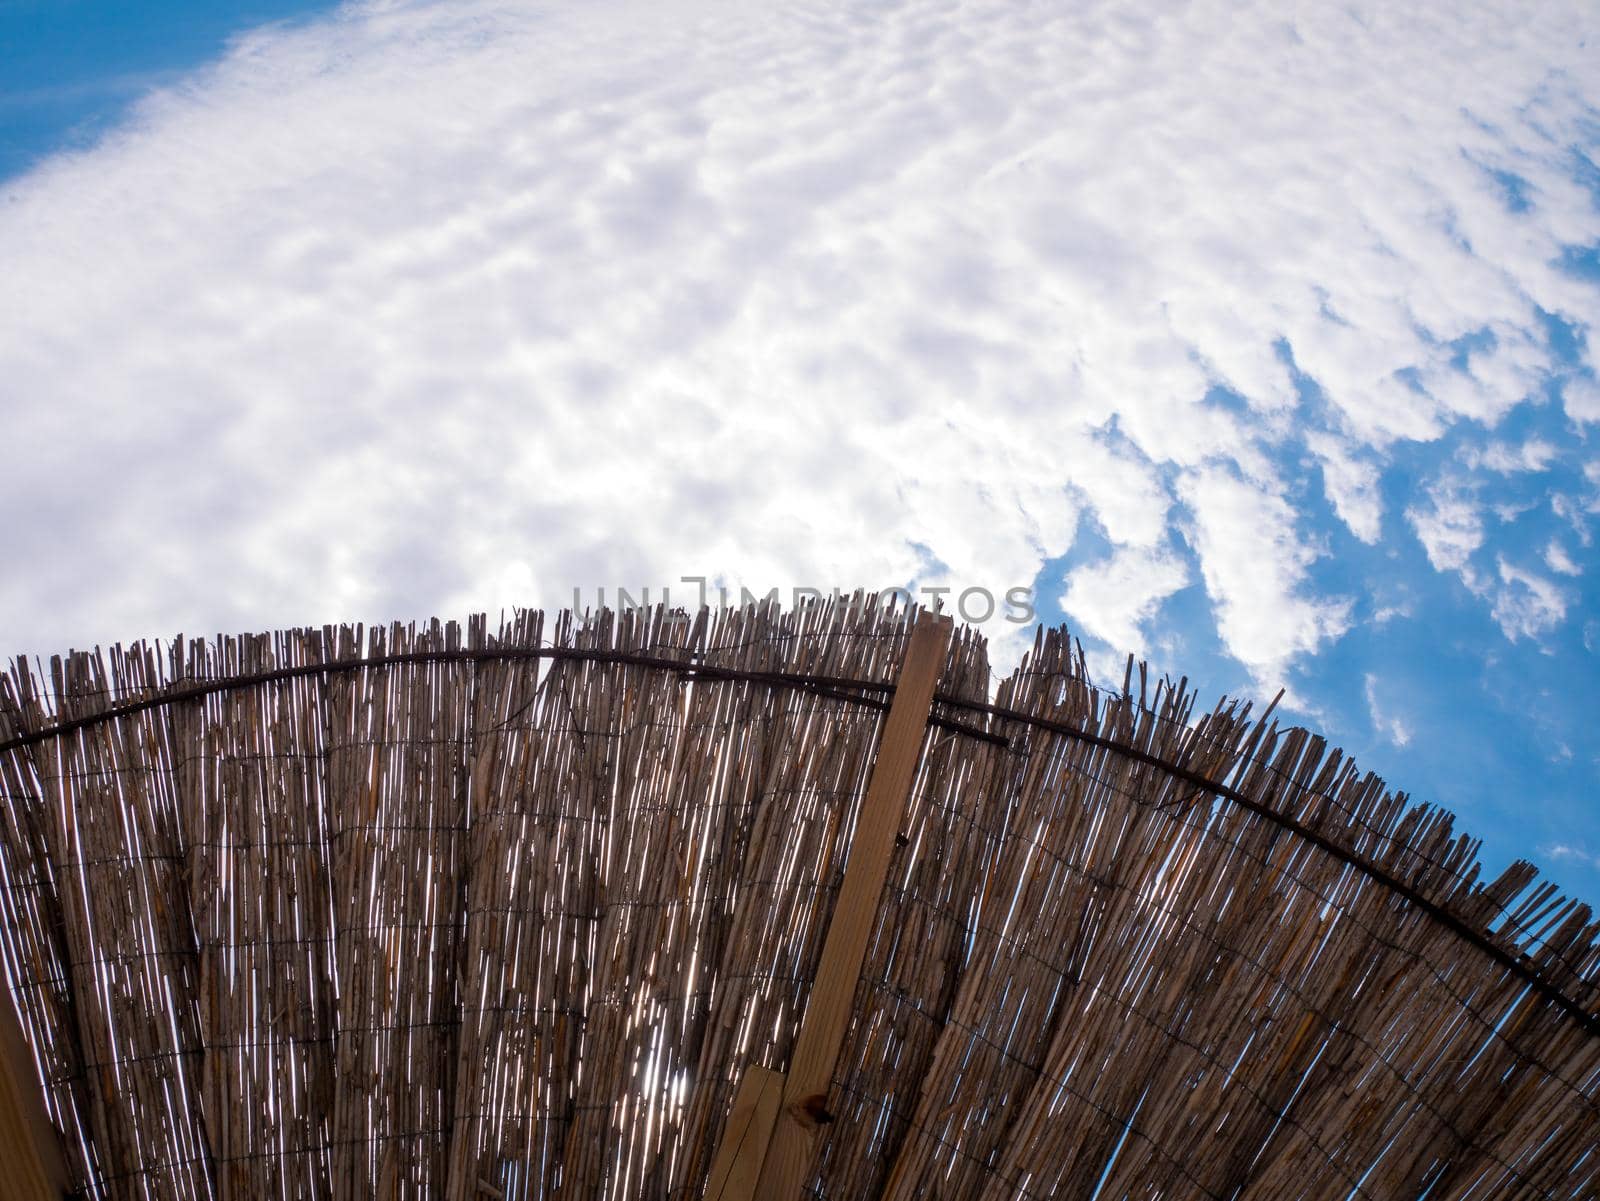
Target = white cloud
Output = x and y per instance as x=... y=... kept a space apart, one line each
x=1255 y=563
x=1394 y=728
x=1114 y=598
x=1351 y=484
x=1533 y=455
x=1558 y=561
x=1384 y=614
x=1580 y=396
x=430 y=306
x=1527 y=605
x=1565 y=852
x=1507 y=511
x=1448 y=524
x=1574 y=512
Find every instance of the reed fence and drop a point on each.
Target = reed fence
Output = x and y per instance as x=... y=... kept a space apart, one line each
x=558 y=911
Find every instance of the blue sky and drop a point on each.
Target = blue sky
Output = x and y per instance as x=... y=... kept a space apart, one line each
x=70 y=68
x=1499 y=731
x=1261 y=345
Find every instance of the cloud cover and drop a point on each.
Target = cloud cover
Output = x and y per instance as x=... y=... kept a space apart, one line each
x=433 y=307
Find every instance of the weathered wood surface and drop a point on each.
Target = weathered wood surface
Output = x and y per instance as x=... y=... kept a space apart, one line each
x=786 y=1142
x=742 y=1151
x=31 y=1168
x=479 y=927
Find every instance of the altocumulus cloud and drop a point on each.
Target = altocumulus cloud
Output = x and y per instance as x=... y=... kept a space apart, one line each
x=429 y=307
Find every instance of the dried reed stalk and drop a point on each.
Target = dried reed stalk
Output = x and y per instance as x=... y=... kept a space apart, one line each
x=482 y=924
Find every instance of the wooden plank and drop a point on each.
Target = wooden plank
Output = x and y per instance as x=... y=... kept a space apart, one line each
x=745 y=1137
x=822 y=1030
x=29 y=1150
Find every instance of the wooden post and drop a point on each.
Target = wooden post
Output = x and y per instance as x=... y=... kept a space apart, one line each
x=737 y=1166
x=769 y=1163
x=30 y=1154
